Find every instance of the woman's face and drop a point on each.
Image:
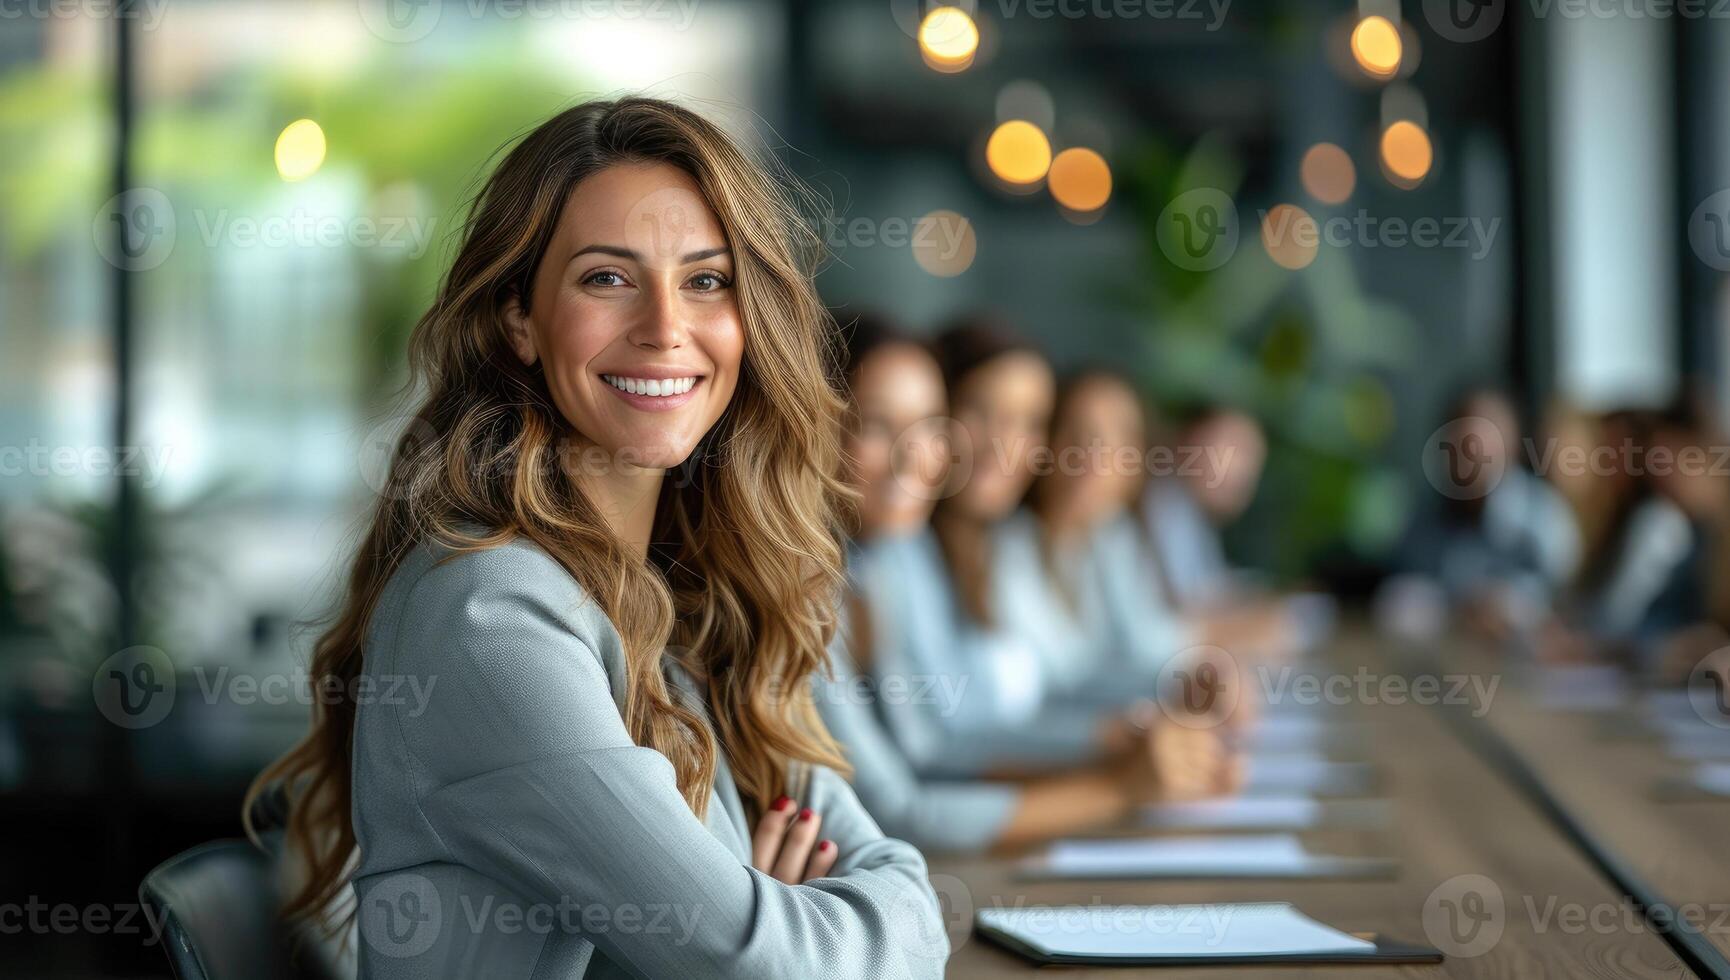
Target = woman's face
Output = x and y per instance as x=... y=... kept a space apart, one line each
x=1003 y=409
x=899 y=442
x=633 y=316
x=1096 y=448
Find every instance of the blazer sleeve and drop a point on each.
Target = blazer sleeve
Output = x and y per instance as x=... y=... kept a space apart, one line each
x=949 y=816
x=534 y=781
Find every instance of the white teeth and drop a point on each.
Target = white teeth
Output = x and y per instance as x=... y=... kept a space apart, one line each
x=653 y=387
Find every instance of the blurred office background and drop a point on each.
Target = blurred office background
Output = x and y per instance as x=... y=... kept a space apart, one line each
x=220 y=220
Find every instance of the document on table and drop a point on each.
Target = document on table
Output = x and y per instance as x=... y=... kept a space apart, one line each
x=1286 y=773
x=1200 y=857
x=1294 y=812
x=1713 y=777
x=1581 y=687
x=1156 y=931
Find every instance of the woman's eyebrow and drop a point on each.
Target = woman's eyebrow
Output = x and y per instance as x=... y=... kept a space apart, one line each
x=626 y=253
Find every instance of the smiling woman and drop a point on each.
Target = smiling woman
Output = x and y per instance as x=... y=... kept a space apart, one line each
x=608 y=729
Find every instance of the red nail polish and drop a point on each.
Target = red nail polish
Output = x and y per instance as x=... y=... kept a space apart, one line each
x=806 y=814
x=781 y=803
x=826 y=846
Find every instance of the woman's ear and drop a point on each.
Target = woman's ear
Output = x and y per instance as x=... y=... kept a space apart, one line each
x=518 y=331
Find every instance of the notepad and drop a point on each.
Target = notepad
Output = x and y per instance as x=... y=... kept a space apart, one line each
x=1581 y=687
x=1304 y=773
x=1236 y=812
x=1713 y=777
x=1295 y=812
x=1200 y=931
x=1226 y=857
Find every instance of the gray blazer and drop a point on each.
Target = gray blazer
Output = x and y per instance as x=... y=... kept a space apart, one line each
x=510 y=828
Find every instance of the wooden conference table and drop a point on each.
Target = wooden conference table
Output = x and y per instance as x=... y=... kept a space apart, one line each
x=1453 y=813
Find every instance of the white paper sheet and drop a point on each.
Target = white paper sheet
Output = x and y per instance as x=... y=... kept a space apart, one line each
x=1581 y=687
x=1287 y=773
x=1713 y=777
x=1236 y=812
x=1269 y=929
x=1247 y=856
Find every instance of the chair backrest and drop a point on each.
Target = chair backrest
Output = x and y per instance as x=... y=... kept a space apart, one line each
x=218 y=907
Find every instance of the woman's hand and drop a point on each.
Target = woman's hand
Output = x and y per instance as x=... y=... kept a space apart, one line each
x=786 y=846
x=1174 y=761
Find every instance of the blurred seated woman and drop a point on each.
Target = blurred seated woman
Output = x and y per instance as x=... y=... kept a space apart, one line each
x=898 y=453
x=1652 y=573
x=1075 y=573
x=612 y=538
x=1501 y=543
x=1220 y=453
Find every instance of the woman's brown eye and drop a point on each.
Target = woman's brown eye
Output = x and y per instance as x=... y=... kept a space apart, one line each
x=708 y=282
x=605 y=279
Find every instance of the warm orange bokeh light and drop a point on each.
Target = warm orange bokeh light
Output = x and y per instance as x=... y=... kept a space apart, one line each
x=1327 y=173
x=1290 y=236
x=1376 y=46
x=1080 y=179
x=1406 y=151
x=1018 y=152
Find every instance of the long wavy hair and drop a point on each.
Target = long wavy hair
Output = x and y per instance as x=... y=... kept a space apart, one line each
x=747 y=566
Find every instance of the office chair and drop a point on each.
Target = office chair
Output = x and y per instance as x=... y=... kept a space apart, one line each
x=218 y=907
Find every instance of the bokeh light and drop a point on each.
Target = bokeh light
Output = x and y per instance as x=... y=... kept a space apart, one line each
x=948 y=39
x=1327 y=173
x=300 y=150
x=1376 y=46
x=1080 y=179
x=1290 y=236
x=1018 y=152
x=1406 y=152
x=944 y=243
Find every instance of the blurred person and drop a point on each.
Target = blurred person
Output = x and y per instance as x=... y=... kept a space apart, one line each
x=607 y=641
x=1221 y=453
x=1504 y=542
x=898 y=459
x=1651 y=574
x=1074 y=569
